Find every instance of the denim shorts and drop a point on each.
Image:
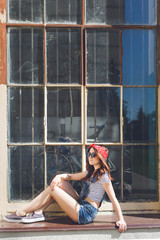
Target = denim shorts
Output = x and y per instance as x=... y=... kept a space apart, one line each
x=87 y=212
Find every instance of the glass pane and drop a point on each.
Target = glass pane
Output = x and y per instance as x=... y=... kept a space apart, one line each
x=26 y=114
x=103 y=56
x=62 y=159
x=139 y=111
x=141 y=12
x=121 y=12
x=103 y=115
x=25 y=56
x=26 y=172
x=64 y=66
x=139 y=57
x=60 y=11
x=25 y=10
x=105 y=11
x=114 y=163
x=64 y=115
x=141 y=177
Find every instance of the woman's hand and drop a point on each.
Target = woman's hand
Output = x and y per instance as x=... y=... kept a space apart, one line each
x=122 y=225
x=57 y=180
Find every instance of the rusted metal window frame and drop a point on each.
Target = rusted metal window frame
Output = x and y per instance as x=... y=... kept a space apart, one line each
x=3 y=68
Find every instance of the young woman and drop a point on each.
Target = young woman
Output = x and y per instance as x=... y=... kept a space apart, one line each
x=81 y=208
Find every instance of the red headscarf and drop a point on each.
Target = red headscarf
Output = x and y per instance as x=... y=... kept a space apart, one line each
x=101 y=150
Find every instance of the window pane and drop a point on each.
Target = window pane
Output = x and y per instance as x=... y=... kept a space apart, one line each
x=114 y=163
x=25 y=56
x=104 y=11
x=141 y=12
x=62 y=159
x=64 y=114
x=121 y=12
x=139 y=57
x=26 y=114
x=64 y=66
x=103 y=56
x=139 y=111
x=26 y=10
x=103 y=115
x=142 y=182
x=60 y=11
x=26 y=172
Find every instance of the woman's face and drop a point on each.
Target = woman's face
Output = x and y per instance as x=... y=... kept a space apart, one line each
x=93 y=158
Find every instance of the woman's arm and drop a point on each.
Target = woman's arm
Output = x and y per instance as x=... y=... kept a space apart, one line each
x=76 y=176
x=111 y=194
x=57 y=180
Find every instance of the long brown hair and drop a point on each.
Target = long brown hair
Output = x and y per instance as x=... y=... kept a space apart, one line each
x=100 y=171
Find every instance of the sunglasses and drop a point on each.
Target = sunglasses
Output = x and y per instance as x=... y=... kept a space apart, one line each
x=92 y=155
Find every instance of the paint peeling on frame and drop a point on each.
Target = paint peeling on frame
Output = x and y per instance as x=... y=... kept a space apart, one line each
x=2 y=16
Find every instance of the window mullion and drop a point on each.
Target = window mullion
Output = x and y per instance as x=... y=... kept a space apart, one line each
x=45 y=136
x=69 y=10
x=33 y=110
x=121 y=138
x=20 y=9
x=45 y=103
x=70 y=80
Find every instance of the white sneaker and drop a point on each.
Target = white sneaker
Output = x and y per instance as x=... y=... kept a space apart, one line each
x=34 y=217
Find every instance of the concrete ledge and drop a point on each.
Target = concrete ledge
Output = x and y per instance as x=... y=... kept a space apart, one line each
x=136 y=234
x=102 y=222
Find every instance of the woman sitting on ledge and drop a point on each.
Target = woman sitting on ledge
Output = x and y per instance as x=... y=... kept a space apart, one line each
x=81 y=208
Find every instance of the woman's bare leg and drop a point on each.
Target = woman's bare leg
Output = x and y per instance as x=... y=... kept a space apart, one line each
x=38 y=202
x=41 y=210
x=44 y=199
x=67 y=187
x=67 y=203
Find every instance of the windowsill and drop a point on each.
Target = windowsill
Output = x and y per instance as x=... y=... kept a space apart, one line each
x=102 y=222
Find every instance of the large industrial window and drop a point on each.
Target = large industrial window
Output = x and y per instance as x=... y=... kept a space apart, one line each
x=81 y=72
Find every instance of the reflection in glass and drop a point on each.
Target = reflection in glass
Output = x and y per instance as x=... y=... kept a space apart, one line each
x=26 y=114
x=141 y=12
x=103 y=115
x=103 y=56
x=26 y=172
x=139 y=57
x=63 y=56
x=114 y=163
x=25 y=56
x=139 y=112
x=62 y=159
x=142 y=183
x=26 y=10
x=64 y=114
x=133 y=12
x=68 y=11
